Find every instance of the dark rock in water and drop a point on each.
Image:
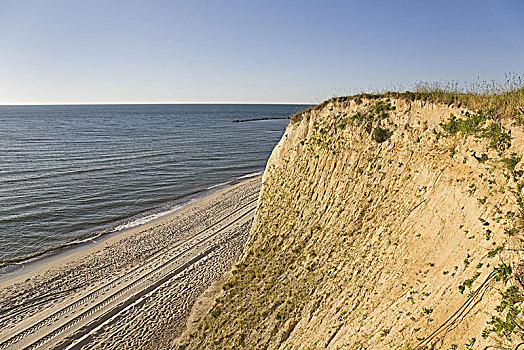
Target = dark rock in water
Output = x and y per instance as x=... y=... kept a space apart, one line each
x=257 y=119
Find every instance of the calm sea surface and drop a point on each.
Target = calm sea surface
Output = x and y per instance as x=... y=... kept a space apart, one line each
x=68 y=173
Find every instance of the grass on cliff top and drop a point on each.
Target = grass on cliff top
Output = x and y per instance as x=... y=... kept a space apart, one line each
x=503 y=99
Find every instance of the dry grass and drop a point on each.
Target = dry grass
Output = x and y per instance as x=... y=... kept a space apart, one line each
x=503 y=99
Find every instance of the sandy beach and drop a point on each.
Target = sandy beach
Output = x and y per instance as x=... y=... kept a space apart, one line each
x=134 y=289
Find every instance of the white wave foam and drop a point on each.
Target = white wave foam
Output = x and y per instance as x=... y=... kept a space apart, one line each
x=217 y=185
x=250 y=175
x=146 y=219
x=88 y=239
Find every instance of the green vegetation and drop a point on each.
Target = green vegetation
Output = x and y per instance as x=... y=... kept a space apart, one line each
x=470 y=124
x=378 y=111
x=477 y=124
x=380 y=135
x=507 y=325
x=495 y=252
x=512 y=161
x=372 y=118
x=469 y=282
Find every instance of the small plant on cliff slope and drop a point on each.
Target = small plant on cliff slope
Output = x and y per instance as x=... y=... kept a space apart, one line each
x=470 y=124
x=378 y=111
x=507 y=325
x=512 y=161
x=381 y=108
x=475 y=124
x=499 y=138
x=373 y=116
x=380 y=135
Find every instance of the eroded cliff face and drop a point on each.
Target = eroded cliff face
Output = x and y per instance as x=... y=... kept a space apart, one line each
x=381 y=224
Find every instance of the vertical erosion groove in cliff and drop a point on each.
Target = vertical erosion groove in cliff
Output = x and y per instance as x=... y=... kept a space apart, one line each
x=381 y=223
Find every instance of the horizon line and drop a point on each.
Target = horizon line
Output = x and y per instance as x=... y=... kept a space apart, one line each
x=149 y=103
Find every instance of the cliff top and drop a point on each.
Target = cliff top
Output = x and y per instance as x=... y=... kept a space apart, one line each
x=503 y=99
x=385 y=221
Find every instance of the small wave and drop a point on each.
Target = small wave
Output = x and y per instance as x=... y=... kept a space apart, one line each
x=86 y=239
x=21 y=259
x=218 y=185
x=129 y=223
x=146 y=219
x=247 y=176
x=43 y=253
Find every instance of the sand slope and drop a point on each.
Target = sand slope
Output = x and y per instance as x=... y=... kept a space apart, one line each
x=359 y=244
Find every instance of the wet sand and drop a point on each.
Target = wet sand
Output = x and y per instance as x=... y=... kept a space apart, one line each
x=207 y=235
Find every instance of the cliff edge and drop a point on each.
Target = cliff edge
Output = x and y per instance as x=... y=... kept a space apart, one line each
x=383 y=222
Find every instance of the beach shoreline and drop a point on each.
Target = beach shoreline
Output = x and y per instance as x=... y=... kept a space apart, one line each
x=212 y=229
x=40 y=259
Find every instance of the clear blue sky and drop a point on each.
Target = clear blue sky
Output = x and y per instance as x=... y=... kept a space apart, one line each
x=107 y=51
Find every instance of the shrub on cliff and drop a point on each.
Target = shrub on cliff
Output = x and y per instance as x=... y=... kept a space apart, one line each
x=380 y=135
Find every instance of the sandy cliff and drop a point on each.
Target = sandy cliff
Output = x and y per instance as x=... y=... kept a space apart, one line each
x=382 y=223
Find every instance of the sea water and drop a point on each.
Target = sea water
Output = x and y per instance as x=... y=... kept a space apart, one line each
x=72 y=173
